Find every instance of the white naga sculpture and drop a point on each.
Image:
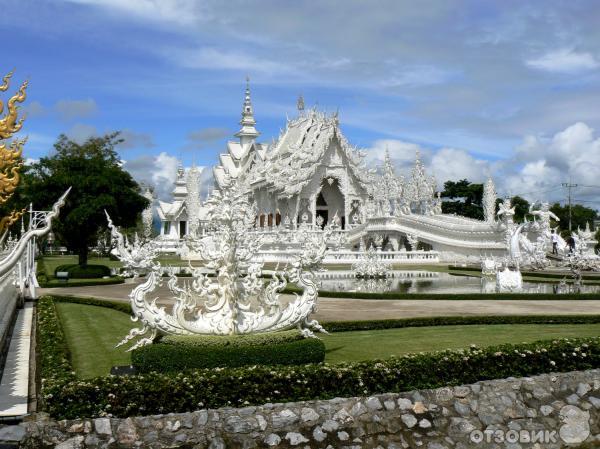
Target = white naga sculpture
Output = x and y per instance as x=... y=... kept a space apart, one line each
x=371 y=265
x=237 y=300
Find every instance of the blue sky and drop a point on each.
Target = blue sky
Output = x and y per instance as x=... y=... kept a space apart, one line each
x=505 y=88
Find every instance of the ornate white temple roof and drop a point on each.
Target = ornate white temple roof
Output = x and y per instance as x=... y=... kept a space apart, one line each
x=294 y=157
x=170 y=211
x=288 y=164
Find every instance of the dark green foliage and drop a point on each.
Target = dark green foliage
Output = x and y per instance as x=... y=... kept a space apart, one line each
x=52 y=283
x=450 y=296
x=66 y=397
x=580 y=216
x=348 y=326
x=83 y=272
x=468 y=199
x=121 y=306
x=178 y=353
x=550 y=277
x=93 y=170
x=521 y=206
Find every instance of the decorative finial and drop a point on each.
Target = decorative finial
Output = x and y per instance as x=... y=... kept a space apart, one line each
x=300 y=103
x=248 y=132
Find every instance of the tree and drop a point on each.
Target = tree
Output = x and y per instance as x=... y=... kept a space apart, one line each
x=580 y=216
x=521 y=206
x=468 y=197
x=98 y=182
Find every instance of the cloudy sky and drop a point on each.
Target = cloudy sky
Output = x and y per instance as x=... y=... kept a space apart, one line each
x=507 y=88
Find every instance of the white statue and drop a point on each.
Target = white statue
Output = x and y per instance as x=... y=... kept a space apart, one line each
x=509 y=281
x=371 y=265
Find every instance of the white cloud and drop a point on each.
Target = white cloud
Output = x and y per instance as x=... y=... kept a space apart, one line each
x=133 y=139
x=535 y=171
x=215 y=59
x=181 y=12
x=564 y=61
x=452 y=164
x=402 y=153
x=160 y=172
x=421 y=75
x=71 y=109
x=80 y=132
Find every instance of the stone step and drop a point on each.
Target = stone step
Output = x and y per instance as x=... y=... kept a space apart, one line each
x=14 y=386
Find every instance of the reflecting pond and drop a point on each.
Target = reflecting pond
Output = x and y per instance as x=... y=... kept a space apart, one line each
x=434 y=282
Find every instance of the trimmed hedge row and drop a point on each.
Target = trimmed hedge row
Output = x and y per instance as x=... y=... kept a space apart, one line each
x=121 y=306
x=451 y=296
x=83 y=272
x=348 y=326
x=178 y=353
x=56 y=283
x=536 y=274
x=65 y=397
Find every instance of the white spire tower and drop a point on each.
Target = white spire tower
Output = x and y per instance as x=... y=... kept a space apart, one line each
x=248 y=132
x=489 y=201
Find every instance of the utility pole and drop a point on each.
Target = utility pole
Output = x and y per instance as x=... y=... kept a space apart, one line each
x=569 y=186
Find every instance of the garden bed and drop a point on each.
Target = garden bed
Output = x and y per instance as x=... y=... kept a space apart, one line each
x=63 y=395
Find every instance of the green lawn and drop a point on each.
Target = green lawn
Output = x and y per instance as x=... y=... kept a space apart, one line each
x=92 y=333
x=362 y=345
x=51 y=262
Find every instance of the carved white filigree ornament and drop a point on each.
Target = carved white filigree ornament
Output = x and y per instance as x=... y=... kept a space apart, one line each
x=227 y=295
x=371 y=266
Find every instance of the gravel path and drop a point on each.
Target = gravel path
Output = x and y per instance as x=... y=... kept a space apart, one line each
x=336 y=309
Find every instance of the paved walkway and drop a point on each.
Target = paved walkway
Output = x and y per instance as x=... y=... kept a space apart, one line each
x=14 y=387
x=341 y=309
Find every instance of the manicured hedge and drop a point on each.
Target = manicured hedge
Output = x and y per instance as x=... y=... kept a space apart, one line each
x=178 y=353
x=533 y=274
x=121 y=306
x=451 y=296
x=83 y=272
x=56 y=283
x=347 y=326
x=66 y=397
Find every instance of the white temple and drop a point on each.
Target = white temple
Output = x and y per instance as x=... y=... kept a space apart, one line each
x=311 y=176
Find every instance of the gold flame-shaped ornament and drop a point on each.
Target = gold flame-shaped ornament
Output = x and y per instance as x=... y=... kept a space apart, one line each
x=10 y=151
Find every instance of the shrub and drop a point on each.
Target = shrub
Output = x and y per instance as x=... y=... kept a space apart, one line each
x=84 y=272
x=51 y=283
x=154 y=393
x=346 y=326
x=65 y=397
x=178 y=353
x=121 y=306
x=290 y=289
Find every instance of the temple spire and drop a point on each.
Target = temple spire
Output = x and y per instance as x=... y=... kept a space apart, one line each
x=248 y=132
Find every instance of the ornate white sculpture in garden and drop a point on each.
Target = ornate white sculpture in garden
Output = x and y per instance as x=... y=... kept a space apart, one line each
x=371 y=265
x=237 y=300
x=147 y=214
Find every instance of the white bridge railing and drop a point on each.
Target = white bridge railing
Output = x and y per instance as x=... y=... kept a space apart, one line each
x=350 y=257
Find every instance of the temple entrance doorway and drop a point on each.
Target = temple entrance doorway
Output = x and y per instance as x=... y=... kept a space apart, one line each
x=330 y=202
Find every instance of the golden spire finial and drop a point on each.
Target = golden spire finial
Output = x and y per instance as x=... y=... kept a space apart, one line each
x=10 y=154
x=9 y=124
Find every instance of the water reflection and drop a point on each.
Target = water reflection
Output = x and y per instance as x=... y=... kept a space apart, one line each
x=434 y=282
